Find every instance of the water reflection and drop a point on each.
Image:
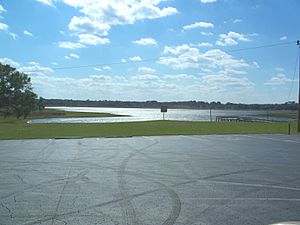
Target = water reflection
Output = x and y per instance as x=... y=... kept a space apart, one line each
x=138 y=114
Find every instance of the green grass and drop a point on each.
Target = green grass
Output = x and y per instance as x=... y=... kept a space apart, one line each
x=18 y=129
x=54 y=113
x=286 y=115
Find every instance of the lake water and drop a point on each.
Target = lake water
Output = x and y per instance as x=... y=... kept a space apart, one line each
x=142 y=114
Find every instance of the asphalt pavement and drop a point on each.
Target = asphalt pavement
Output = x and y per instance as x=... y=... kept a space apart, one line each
x=164 y=180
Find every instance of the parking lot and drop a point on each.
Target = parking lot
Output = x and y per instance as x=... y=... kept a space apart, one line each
x=186 y=180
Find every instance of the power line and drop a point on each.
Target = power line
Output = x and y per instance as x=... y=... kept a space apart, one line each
x=157 y=58
x=294 y=76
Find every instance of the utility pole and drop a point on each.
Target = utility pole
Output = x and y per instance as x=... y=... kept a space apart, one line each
x=298 y=43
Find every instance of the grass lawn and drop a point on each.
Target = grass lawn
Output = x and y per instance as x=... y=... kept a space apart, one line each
x=54 y=113
x=19 y=129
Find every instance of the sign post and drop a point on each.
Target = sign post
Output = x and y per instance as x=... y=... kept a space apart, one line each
x=163 y=109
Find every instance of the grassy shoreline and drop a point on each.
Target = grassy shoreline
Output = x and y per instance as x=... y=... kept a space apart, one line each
x=12 y=128
x=21 y=130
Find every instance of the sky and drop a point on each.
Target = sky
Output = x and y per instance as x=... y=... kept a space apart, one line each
x=164 y=50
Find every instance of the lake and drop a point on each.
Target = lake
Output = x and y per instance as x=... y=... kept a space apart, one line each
x=143 y=114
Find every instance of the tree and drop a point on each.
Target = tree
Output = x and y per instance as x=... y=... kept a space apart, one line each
x=41 y=103
x=16 y=95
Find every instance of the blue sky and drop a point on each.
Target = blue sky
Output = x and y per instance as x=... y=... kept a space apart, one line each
x=165 y=50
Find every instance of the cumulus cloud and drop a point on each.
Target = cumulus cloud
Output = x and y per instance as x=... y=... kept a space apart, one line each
x=146 y=70
x=202 y=44
x=102 y=68
x=26 y=32
x=144 y=87
x=208 y=1
x=231 y=38
x=237 y=21
x=2 y=9
x=72 y=55
x=106 y=68
x=135 y=59
x=198 y=25
x=47 y=2
x=70 y=45
x=8 y=61
x=206 y=33
x=145 y=41
x=96 y=17
x=88 y=25
x=3 y=26
x=35 y=69
x=13 y=35
x=256 y=65
x=140 y=87
x=184 y=57
x=90 y=39
x=283 y=38
x=99 y=15
x=279 y=79
x=279 y=69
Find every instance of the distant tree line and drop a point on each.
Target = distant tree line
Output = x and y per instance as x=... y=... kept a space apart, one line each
x=172 y=105
x=16 y=95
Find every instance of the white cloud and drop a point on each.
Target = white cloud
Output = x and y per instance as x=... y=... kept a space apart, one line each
x=206 y=33
x=283 y=38
x=26 y=32
x=146 y=70
x=237 y=21
x=35 y=69
x=202 y=44
x=3 y=26
x=184 y=56
x=198 y=25
x=47 y=2
x=9 y=62
x=70 y=45
x=99 y=15
x=102 y=68
x=231 y=38
x=279 y=79
x=123 y=60
x=256 y=65
x=145 y=87
x=146 y=41
x=279 y=69
x=135 y=59
x=2 y=9
x=208 y=1
x=13 y=35
x=88 y=25
x=106 y=68
x=90 y=39
x=180 y=77
x=72 y=55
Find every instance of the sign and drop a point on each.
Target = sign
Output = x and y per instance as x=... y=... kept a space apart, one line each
x=163 y=109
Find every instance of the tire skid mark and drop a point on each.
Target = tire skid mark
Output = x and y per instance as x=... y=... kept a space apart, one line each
x=67 y=180
x=176 y=203
x=49 y=217
x=128 y=209
x=33 y=187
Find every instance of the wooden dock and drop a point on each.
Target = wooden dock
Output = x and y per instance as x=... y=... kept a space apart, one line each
x=243 y=119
